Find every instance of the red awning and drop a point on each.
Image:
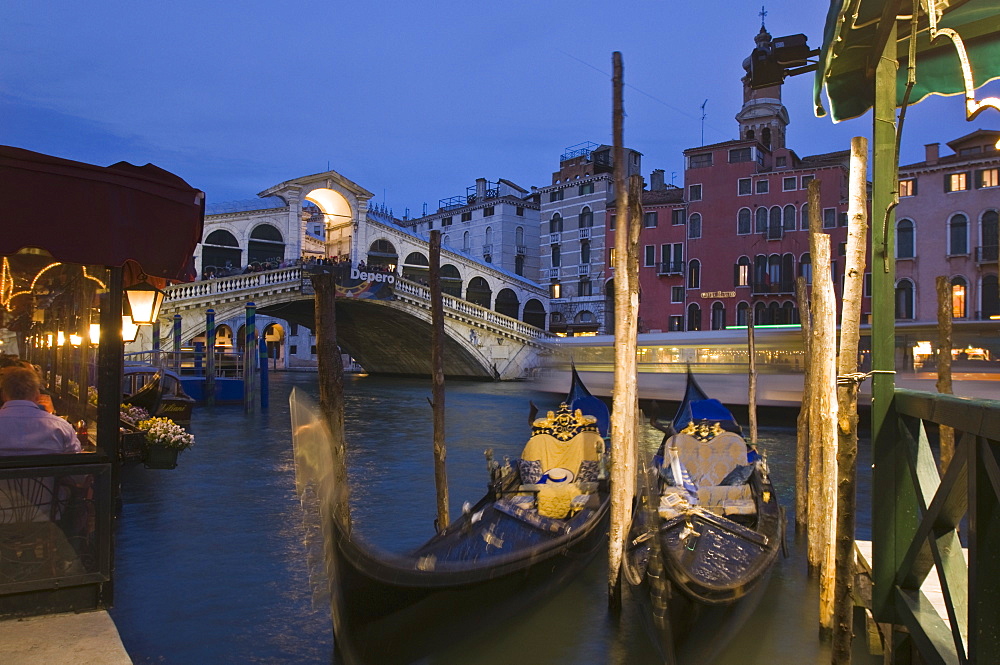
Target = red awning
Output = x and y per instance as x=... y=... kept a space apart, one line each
x=97 y=215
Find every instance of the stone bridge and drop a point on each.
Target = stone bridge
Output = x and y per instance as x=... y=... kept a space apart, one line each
x=384 y=336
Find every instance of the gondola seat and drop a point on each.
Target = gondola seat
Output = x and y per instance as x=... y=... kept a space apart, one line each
x=708 y=463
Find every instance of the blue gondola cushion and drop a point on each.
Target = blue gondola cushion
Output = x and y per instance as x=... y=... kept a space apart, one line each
x=530 y=469
x=588 y=471
x=739 y=475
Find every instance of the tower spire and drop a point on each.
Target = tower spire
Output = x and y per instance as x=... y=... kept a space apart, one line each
x=762 y=13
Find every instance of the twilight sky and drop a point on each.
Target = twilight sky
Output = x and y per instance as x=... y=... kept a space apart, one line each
x=412 y=101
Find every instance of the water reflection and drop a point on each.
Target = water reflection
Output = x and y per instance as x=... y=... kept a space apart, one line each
x=211 y=566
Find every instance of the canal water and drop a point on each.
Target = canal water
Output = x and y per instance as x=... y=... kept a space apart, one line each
x=211 y=569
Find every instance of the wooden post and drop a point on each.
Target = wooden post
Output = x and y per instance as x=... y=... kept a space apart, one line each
x=208 y=389
x=331 y=385
x=802 y=422
x=944 y=314
x=628 y=196
x=814 y=498
x=752 y=371
x=437 y=380
x=822 y=431
x=847 y=401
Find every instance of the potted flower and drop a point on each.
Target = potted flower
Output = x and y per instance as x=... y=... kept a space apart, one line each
x=133 y=440
x=164 y=440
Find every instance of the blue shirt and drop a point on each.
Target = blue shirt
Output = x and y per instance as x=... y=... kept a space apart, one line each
x=26 y=429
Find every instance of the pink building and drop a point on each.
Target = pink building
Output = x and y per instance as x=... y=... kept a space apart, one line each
x=946 y=224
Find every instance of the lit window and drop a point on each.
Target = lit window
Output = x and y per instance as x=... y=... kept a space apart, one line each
x=556 y=289
x=907 y=188
x=988 y=178
x=956 y=182
x=958 y=292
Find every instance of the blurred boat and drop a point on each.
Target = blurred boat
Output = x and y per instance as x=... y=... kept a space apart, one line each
x=159 y=391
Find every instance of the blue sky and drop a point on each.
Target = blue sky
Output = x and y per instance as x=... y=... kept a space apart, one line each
x=412 y=101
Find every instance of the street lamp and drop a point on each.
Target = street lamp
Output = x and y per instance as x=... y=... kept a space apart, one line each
x=144 y=299
x=130 y=330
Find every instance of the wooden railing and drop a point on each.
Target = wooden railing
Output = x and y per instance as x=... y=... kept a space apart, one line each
x=921 y=519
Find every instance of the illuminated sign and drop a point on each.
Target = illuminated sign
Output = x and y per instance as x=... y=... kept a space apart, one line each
x=718 y=294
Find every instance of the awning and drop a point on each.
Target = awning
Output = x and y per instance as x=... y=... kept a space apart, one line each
x=856 y=30
x=81 y=213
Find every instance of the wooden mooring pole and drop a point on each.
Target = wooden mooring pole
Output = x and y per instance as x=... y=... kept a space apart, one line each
x=944 y=313
x=625 y=406
x=437 y=381
x=847 y=401
x=802 y=422
x=752 y=377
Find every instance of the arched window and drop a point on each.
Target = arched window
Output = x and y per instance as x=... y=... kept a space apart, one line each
x=586 y=218
x=774 y=272
x=743 y=221
x=789 y=314
x=466 y=242
x=904 y=299
x=959 y=293
x=787 y=273
x=694 y=317
x=555 y=256
x=718 y=316
x=555 y=224
x=905 y=248
x=743 y=313
x=694 y=274
x=958 y=234
x=806 y=268
x=804 y=219
x=760 y=274
x=519 y=236
x=489 y=235
x=989 y=236
x=742 y=276
x=760 y=315
x=789 y=217
x=519 y=265
x=750 y=135
x=989 y=297
x=694 y=226
x=774 y=223
x=584 y=251
x=773 y=313
x=761 y=220
x=765 y=137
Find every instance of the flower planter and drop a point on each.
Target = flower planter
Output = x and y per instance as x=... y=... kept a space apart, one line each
x=133 y=446
x=161 y=457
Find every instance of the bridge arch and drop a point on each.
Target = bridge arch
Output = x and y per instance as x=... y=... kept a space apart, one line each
x=265 y=244
x=451 y=280
x=507 y=303
x=220 y=248
x=416 y=267
x=534 y=313
x=382 y=253
x=479 y=292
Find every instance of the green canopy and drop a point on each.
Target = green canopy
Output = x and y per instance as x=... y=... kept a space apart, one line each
x=856 y=30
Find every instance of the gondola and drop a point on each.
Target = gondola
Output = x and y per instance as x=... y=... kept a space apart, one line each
x=706 y=532
x=159 y=391
x=501 y=556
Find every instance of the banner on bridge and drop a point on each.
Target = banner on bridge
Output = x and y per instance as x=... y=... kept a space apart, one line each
x=366 y=285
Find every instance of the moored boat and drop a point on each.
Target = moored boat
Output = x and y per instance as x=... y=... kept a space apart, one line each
x=541 y=521
x=159 y=391
x=706 y=533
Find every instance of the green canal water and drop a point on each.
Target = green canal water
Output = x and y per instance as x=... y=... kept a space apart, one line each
x=211 y=569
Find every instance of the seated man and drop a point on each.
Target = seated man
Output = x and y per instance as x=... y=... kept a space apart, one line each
x=25 y=428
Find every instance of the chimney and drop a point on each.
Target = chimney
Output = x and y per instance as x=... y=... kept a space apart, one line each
x=656 y=181
x=480 y=189
x=931 y=153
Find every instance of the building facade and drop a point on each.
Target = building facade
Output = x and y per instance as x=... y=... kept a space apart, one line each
x=946 y=225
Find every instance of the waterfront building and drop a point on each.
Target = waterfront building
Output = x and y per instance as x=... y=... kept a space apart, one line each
x=946 y=224
x=575 y=244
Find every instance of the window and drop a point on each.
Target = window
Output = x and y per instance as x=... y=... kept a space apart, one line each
x=312 y=349
x=867 y=289
x=781 y=162
x=788 y=218
x=556 y=224
x=806 y=179
x=676 y=323
x=761 y=222
x=676 y=294
x=293 y=349
x=842 y=249
x=694 y=317
x=445 y=221
x=695 y=191
x=988 y=178
x=842 y=219
x=586 y=218
x=649 y=220
x=519 y=265
x=907 y=188
x=740 y=155
x=956 y=182
x=556 y=256
x=519 y=236
x=488 y=211
x=519 y=211
x=700 y=161
x=958 y=294
x=743 y=221
x=586 y=188
x=293 y=329
x=694 y=274
x=788 y=184
x=762 y=186
x=555 y=290
x=678 y=217
x=585 y=251
x=466 y=242
x=649 y=256
x=611 y=257
x=694 y=226
x=718 y=316
x=467 y=216
x=774 y=224
x=989 y=235
x=430 y=225
x=804 y=220
x=958 y=235
x=586 y=287
x=741 y=276
x=905 y=249
x=744 y=187
x=672 y=256
x=555 y=195
x=829 y=218
x=743 y=313
x=611 y=222
x=806 y=268
x=904 y=299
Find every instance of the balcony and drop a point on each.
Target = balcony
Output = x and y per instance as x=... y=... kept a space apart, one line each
x=583 y=270
x=987 y=254
x=522 y=250
x=488 y=249
x=670 y=268
x=555 y=237
x=585 y=233
x=785 y=286
x=554 y=273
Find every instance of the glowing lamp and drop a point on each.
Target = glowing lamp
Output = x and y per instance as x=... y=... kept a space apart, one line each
x=144 y=300
x=130 y=330
x=95 y=333
x=60 y=338
x=75 y=340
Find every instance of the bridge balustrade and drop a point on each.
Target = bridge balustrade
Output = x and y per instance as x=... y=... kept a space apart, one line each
x=918 y=517
x=249 y=281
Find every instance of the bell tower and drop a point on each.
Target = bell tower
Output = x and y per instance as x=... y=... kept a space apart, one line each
x=763 y=116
